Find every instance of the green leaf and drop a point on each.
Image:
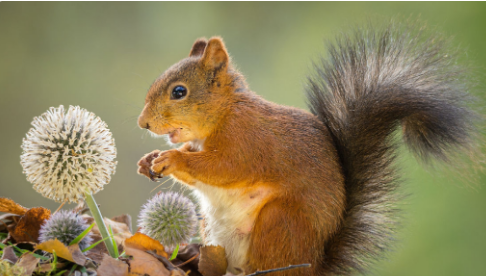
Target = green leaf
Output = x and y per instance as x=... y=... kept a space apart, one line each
x=115 y=247
x=72 y=269
x=2 y=246
x=53 y=263
x=96 y=243
x=60 y=273
x=44 y=258
x=82 y=235
x=174 y=254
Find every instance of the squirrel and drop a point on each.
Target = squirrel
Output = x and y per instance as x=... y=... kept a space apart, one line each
x=280 y=186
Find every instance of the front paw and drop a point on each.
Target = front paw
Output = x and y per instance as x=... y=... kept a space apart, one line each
x=145 y=164
x=167 y=162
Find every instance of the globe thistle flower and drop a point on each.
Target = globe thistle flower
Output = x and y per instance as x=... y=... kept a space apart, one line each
x=68 y=153
x=169 y=218
x=65 y=226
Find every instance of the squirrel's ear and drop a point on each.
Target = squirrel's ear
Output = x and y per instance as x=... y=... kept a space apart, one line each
x=198 y=47
x=215 y=54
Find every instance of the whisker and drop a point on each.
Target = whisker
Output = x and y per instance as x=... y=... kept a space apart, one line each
x=160 y=185
x=128 y=104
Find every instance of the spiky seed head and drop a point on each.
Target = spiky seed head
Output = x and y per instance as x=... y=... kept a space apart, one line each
x=169 y=218
x=65 y=225
x=67 y=153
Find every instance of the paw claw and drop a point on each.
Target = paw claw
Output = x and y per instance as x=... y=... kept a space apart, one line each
x=154 y=177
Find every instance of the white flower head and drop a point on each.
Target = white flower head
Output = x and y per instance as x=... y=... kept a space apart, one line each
x=67 y=153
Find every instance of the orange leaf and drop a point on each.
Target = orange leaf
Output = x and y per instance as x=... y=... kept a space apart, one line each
x=143 y=242
x=27 y=229
x=112 y=267
x=145 y=264
x=70 y=253
x=29 y=263
x=212 y=261
x=9 y=206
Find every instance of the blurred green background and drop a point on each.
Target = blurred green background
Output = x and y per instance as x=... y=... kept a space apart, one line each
x=104 y=56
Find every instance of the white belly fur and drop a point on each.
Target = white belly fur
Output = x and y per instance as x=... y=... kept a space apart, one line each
x=229 y=218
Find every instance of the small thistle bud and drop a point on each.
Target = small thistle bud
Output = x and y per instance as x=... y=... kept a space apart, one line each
x=66 y=154
x=65 y=226
x=169 y=218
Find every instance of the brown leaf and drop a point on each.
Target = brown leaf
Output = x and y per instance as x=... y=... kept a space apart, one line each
x=177 y=273
x=125 y=219
x=143 y=242
x=70 y=253
x=212 y=261
x=144 y=263
x=29 y=263
x=27 y=229
x=46 y=267
x=9 y=254
x=120 y=230
x=7 y=220
x=188 y=259
x=112 y=267
x=9 y=206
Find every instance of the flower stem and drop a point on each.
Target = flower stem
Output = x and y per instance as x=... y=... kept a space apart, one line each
x=95 y=212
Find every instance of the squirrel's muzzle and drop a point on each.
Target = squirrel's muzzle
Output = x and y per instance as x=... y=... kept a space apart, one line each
x=143 y=121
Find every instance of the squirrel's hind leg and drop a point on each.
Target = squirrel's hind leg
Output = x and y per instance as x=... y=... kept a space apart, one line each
x=283 y=235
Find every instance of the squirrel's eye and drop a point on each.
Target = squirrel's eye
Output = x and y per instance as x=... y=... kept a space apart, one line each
x=178 y=92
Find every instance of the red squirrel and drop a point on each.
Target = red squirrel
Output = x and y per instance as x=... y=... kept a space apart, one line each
x=281 y=186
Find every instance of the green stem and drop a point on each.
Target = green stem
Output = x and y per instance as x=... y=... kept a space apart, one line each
x=95 y=212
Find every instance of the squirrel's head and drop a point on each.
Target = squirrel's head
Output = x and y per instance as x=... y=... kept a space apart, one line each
x=188 y=100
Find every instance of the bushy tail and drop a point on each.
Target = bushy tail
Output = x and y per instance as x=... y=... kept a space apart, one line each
x=372 y=83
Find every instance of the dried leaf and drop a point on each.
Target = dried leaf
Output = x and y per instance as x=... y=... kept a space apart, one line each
x=29 y=262
x=7 y=220
x=9 y=206
x=143 y=242
x=27 y=229
x=70 y=253
x=231 y=274
x=212 y=261
x=188 y=259
x=144 y=263
x=125 y=219
x=177 y=273
x=9 y=254
x=46 y=267
x=120 y=230
x=112 y=267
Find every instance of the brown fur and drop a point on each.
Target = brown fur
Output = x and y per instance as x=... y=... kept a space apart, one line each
x=249 y=142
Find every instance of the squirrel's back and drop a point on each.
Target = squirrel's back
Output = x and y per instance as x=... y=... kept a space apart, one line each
x=373 y=82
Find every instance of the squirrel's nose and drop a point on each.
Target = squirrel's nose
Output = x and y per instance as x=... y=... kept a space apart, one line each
x=143 y=120
x=142 y=123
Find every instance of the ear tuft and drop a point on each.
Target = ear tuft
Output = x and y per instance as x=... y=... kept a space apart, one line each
x=198 y=47
x=215 y=54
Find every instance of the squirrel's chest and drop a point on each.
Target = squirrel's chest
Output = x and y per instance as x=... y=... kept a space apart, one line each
x=229 y=218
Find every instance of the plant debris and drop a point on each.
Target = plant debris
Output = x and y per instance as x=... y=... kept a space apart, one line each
x=22 y=254
x=27 y=229
x=212 y=261
x=9 y=206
